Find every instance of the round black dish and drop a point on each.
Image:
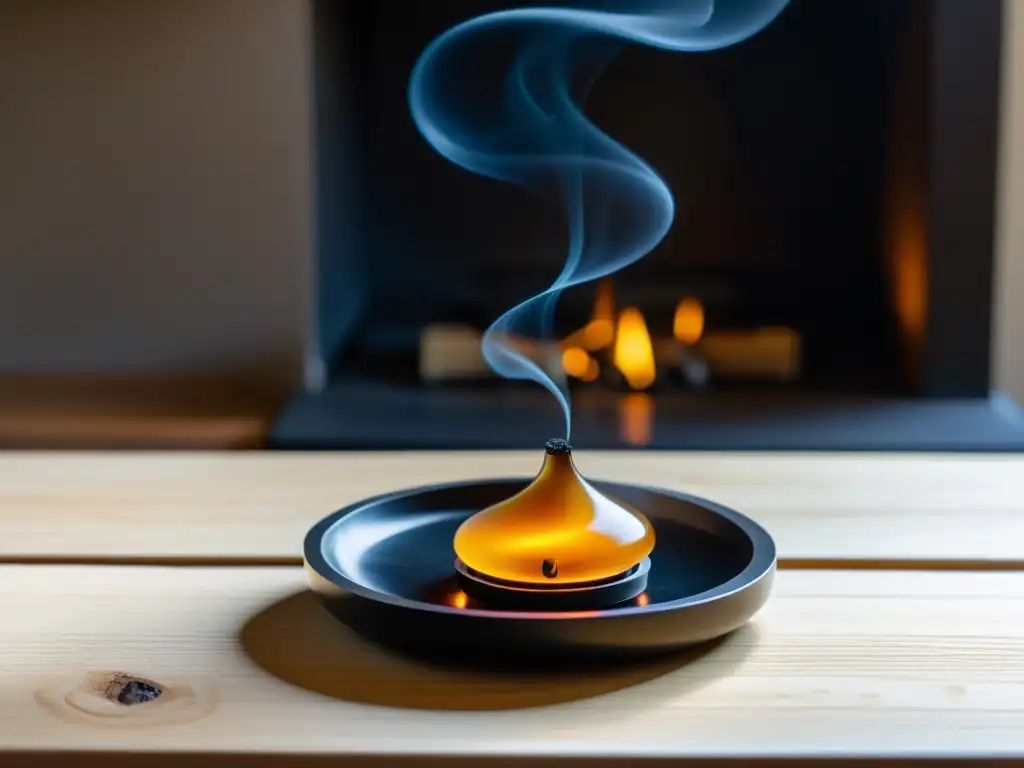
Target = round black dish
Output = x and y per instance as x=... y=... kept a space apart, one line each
x=385 y=567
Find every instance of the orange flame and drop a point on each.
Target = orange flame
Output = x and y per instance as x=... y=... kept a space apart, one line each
x=600 y=331
x=633 y=353
x=688 y=323
x=578 y=364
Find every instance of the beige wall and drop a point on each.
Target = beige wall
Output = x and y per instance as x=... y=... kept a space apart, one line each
x=154 y=185
x=1009 y=315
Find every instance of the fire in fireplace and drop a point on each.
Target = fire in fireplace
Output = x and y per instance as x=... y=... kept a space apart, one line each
x=618 y=351
x=826 y=285
x=617 y=348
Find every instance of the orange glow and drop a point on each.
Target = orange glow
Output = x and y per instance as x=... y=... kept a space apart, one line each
x=604 y=304
x=459 y=599
x=577 y=363
x=636 y=418
x=633 y=353
x=688 y=324
x=642 y=599
x=600 y=331
x=598 y=334
x=911 y=278
x=558 y=530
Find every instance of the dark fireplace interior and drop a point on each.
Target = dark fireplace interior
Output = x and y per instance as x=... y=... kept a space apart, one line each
x=826 y=283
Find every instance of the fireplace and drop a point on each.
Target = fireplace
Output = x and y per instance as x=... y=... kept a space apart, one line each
x=827 y=282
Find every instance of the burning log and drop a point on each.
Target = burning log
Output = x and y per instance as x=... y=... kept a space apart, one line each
x=771 y=354
x=452 y=352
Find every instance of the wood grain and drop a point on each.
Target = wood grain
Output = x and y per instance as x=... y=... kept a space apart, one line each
x=835 y=509
x=857 y=664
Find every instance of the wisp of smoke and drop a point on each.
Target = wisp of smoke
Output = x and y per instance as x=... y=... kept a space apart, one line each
x=528 y=128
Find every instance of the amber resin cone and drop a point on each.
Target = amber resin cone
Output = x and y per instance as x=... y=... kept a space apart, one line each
x=558 y=530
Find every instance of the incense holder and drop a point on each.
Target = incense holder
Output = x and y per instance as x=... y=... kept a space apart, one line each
x=678 y=571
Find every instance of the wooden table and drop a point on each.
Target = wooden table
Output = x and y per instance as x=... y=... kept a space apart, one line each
x=896 y=628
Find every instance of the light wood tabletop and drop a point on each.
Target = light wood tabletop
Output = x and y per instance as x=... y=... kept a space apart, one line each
x=856 y=510
x=895 y=629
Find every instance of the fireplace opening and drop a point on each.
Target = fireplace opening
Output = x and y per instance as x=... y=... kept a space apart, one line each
x=826 y=282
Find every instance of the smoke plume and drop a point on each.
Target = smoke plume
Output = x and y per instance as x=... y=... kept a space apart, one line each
x=528 y=127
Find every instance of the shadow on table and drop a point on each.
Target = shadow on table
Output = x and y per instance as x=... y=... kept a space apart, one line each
x=297 y=641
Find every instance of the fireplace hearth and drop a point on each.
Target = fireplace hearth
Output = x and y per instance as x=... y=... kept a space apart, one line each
x=373 y=415
x=827 y=284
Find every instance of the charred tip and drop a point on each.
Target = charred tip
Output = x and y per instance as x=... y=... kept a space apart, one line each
x=557 y=447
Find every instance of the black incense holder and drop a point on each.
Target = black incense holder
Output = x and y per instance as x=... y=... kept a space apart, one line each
x=386 y=568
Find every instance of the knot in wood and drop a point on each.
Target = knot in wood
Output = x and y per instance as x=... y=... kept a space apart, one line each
x=130 y=690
